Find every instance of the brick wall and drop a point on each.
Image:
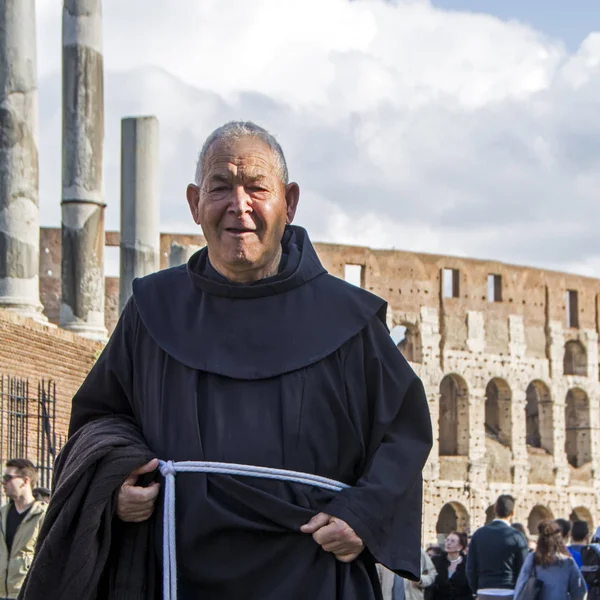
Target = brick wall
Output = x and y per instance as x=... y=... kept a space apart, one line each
x=32 y=351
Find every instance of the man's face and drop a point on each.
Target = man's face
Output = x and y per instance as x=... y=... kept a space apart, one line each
x=13 y=483
x=242 y=205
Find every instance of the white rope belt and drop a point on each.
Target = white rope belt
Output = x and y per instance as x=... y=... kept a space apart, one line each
x=169 y=469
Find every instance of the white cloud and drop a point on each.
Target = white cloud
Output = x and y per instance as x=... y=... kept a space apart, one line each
x=406 y=126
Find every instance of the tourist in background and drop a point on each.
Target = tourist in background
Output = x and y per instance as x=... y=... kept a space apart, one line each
x=451 y=581
x=394 y=587
x=552 y=564
x=565 y=528
x=590 y=566
x=20 y=521
x=42 y=494
x=530 y=543
x=580 y=534
x=497 y=554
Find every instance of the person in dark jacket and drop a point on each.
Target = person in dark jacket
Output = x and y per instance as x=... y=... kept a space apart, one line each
x=496 y=554
x=451 y=581
x=580 y=534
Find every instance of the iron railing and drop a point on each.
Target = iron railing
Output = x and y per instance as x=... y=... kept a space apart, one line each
x=28 y=425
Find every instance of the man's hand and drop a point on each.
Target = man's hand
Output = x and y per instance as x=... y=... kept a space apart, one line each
x=135 y=503
x=335 y=536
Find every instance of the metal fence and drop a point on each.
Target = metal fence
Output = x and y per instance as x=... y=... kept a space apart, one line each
x=28 y=425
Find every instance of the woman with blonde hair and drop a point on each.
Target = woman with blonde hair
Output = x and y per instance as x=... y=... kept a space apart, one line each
x=553 y=566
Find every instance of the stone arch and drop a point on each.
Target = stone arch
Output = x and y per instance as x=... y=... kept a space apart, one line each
x=453 y=517
x=575 y=358
x=538 y=513
x=581 y=513
x=498 y=411
x=453 y=424
x=408 y=339
x=578 y=443
x=539 y=423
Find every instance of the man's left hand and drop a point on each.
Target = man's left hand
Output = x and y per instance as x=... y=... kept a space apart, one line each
x=335 y=536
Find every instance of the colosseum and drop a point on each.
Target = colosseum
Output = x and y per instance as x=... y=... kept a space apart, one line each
x=509 y=359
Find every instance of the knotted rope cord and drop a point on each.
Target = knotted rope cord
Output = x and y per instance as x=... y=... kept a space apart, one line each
x=169 y=468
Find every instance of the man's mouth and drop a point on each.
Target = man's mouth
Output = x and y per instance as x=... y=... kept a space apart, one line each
x=239 y=230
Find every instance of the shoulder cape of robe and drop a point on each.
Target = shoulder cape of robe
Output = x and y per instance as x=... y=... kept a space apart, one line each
x=296 y=371
x=254 y=331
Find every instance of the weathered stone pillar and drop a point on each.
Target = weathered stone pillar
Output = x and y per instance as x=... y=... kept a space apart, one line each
x=140 y=204
x=82 y=308
x=179 y=254
x=19 y=210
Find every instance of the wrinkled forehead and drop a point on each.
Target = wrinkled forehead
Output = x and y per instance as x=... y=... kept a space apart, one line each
x=248 y=155
x=11 y=471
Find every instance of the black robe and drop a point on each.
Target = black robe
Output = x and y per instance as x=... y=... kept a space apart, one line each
x=298 y=372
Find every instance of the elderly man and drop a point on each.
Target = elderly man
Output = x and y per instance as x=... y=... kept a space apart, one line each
x=251 y=353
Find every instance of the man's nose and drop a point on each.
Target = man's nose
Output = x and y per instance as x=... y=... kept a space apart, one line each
x=240 y=200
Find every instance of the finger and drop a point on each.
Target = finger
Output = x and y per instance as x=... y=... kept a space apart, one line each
x=333 y=532
x=338 y=548
x=343 y=546
x=139 y=495
x=137 y=518
x=131 y=507
x=147 y=468
x=346 y=558
x=318 y=521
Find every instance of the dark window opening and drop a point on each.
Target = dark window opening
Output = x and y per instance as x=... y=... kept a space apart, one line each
x=572 y=309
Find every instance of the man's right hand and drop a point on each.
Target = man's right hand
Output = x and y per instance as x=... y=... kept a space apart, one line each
x=135 y=503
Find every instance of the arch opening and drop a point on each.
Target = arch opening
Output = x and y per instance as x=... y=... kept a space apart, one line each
x=578 y=443
x=538 y=513
x=538 y=417
x=498 y=411
x=575 y=358
x=581 y=513
x=453 y=517
x=408 y=339
x=453 y=424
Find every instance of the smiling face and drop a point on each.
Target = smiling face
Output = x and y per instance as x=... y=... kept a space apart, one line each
x=243 y=206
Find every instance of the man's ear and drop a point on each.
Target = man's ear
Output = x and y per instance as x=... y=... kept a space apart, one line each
x=292 y=197
x=192 y=194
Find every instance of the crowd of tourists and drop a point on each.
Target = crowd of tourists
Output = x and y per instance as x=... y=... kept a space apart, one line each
x=499 y=562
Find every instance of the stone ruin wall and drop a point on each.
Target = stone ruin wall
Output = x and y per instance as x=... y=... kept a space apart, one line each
x=512 y=380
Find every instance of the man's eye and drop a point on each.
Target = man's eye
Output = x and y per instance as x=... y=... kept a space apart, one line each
x=219 y=188
x=256 y=188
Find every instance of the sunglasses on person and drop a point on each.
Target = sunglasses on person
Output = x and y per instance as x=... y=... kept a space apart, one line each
x=7 y=477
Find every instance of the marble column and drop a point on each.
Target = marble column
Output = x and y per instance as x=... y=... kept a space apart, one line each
x=82 y=308
x=140 y=202
x=19 y=181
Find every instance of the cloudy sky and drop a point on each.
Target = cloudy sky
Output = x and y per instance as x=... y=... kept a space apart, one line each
x=467 y=127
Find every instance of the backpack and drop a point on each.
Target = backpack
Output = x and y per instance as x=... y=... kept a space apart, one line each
x=590 y=564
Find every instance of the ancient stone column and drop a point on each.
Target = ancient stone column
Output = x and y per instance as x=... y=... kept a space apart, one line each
x=140 y=205
x=179 y=254
x=19 y=211
x=82 y=308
